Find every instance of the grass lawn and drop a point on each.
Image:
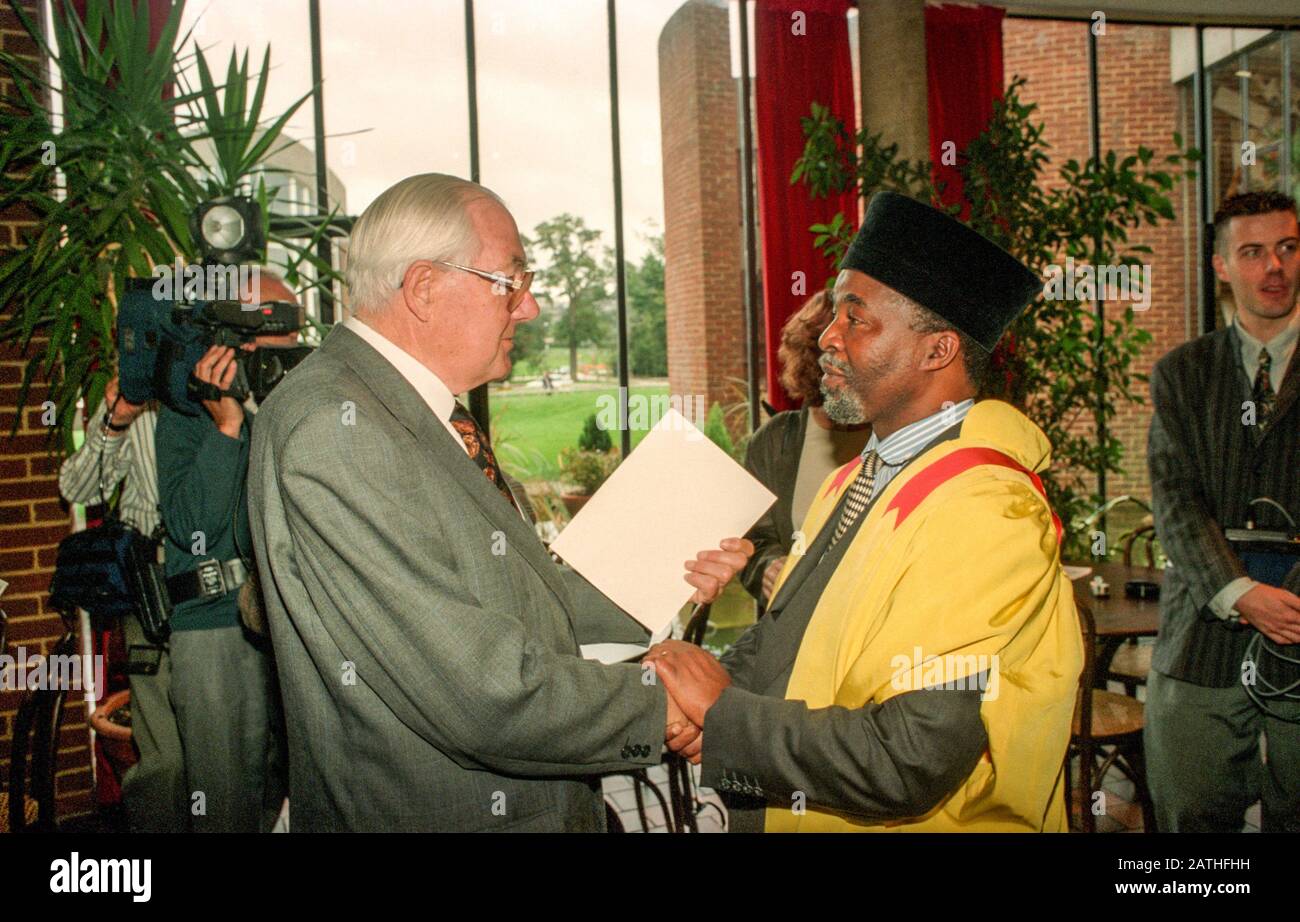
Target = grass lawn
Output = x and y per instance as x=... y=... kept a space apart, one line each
x=529 y=427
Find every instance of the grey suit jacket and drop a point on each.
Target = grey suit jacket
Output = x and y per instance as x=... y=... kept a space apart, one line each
x=427 y=645
x=1206 y=466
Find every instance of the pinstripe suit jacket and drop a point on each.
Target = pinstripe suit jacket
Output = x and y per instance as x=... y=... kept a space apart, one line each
x=427 y=645
x=1206 y=466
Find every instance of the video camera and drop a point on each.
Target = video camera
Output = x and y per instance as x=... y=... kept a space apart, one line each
x=165 y=324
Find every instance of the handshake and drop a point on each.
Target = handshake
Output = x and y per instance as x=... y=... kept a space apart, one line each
x=694 y=680
x=692 y=677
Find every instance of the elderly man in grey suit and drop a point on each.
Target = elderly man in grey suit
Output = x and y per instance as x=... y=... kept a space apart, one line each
x=427 y=644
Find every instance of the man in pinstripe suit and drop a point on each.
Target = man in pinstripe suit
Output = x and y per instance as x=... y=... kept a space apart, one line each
x=1225 y=431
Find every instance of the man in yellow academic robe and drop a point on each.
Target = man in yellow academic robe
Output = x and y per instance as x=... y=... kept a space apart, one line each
x=918 y=666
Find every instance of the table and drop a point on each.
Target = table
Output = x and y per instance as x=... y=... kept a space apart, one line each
x=1118 y=618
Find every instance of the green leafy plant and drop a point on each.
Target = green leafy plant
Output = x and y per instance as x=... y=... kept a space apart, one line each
x=594 y=437
x=715 y=429
x=112 y=182
x=1058 y=362
x=586 y=470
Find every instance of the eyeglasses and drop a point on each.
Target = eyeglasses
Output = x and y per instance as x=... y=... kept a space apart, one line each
x=518 y=285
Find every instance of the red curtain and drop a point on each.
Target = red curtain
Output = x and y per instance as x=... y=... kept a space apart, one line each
x=963 y=51
x=801 y=54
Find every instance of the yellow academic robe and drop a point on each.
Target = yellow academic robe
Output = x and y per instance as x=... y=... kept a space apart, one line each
x=955 y=570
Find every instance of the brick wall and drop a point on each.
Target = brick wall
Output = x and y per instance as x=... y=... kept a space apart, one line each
x=1139 y=106
x=703 y=246
x=33 y=519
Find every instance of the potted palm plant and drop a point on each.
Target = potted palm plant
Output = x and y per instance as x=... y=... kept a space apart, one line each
x=111 y=181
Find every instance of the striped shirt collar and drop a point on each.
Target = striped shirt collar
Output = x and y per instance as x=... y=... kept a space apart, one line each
x=899 y=447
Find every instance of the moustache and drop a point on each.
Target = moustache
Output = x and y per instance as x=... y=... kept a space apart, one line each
x=829 y=364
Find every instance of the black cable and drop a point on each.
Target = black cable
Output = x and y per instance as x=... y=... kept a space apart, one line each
x=1258 y=645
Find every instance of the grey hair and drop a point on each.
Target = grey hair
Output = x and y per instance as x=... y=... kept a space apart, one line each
x=422 y=217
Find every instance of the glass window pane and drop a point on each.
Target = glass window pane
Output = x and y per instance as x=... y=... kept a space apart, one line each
x=220 y=26
x=1262 y=77
x=396 y=102
x=545 y=149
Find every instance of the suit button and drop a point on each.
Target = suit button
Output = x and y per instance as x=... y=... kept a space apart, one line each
x=627 y=752
x=645 y=752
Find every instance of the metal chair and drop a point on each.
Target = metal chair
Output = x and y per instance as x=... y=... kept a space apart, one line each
x=1131 y=663
x=34 y=750
x=1102 y=720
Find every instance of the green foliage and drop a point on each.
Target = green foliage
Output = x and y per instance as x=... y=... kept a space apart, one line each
x=647 y=318
x=1056 y=362
x=112 y=190
x=587 y=470
x=593 y=437
x=573 y=275
x=715 y=429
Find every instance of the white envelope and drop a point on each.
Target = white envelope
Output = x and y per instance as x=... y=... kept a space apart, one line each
x=677 y=494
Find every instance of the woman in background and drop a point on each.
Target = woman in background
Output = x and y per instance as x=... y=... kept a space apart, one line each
x=794 y=451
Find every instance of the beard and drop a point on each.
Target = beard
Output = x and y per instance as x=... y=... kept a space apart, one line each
x=843 y=404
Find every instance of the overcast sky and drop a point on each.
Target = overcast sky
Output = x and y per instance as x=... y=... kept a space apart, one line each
x=395 y=95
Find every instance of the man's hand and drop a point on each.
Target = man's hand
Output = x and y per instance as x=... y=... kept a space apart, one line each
x=688 y=743
x=680 y=733
x=770 y=573
x=217 y=367
x=710 y=571
x=1273 y=611
x=122 y=411
x=693 y=678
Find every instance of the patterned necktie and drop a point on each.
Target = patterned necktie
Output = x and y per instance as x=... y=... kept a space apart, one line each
x=480 y=452
x=859 y=496
x=1263 y=394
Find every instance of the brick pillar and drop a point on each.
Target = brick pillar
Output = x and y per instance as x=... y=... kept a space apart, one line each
x=33 y=519
x=703 y=243
x=891 y=36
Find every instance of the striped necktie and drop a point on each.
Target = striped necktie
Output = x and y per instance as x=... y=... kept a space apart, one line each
x=859 y=496
x=480 y=452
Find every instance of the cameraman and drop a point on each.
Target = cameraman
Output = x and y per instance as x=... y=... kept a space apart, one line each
x=119 y=447
x=223 y=680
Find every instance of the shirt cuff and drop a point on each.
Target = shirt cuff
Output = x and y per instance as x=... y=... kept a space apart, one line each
x=1224 y=601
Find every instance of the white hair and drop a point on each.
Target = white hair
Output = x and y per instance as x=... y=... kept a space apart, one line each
x=422 y=217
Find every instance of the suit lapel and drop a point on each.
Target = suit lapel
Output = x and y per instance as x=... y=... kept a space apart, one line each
x=1286 y=397
x=402 y=400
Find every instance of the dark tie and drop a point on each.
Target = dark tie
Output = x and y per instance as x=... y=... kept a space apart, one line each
x=480 y=452
x=859 y=496
x=1263 y=394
